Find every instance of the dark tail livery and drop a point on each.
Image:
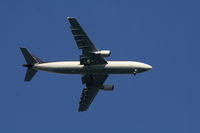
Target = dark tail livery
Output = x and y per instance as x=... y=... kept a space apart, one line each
x=31 y=60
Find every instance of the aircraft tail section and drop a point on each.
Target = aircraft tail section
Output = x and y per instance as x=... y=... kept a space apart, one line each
x=31 y=61
x=29 y=74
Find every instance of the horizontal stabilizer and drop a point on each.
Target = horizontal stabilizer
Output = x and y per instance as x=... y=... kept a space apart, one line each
x=29 y=74
x=31 y=61
x=28 y=57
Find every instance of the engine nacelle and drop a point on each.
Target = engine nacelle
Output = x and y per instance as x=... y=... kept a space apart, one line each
x=103 y=53
x=107 y=87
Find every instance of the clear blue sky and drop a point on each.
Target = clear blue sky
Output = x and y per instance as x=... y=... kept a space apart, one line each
x=165 y=34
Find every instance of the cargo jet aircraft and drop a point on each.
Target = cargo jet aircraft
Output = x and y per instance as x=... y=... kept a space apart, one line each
x=93 y=66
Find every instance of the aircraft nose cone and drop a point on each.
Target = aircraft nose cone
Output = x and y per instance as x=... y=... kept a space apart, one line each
x=148 y=67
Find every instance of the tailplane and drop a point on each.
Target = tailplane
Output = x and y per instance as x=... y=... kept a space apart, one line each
x=31 y=61
x=29 y=74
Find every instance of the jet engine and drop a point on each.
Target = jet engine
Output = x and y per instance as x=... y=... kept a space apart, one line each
x=107 y=87
x=103 y=53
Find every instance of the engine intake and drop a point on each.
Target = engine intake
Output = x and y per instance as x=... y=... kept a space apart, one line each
x=103 y=53
x=107 y=87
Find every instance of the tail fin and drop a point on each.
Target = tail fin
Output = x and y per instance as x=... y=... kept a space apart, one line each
x=31 y=60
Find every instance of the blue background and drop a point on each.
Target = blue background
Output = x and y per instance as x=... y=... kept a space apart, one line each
x=164 y=34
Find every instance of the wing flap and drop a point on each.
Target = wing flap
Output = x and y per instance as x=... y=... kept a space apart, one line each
x=81 y=38
x=83 y=42
x=93 y=84
x=87 y=96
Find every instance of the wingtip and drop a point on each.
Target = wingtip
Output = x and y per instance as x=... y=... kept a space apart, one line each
x=70 y=18
x=80 y=110
x=22 y=48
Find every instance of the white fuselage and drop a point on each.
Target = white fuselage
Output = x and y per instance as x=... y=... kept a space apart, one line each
x=112 y=67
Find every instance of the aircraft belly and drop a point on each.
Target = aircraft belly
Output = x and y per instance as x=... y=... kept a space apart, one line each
x=94 y=70
x=76 y=68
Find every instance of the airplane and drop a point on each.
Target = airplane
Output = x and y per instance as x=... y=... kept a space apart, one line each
x=92 y=65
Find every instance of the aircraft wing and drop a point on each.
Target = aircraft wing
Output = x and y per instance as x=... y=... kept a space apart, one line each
x=83 y=42
x=93 y=84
